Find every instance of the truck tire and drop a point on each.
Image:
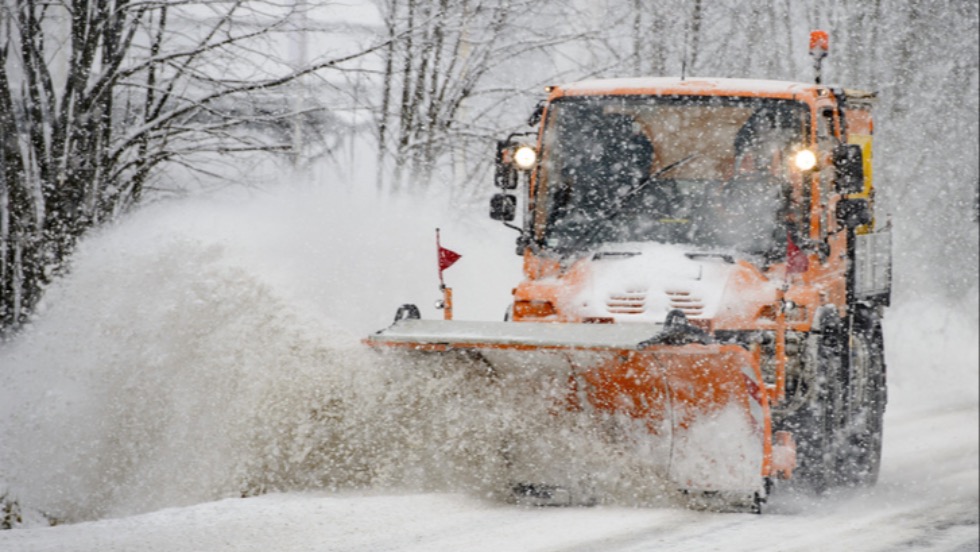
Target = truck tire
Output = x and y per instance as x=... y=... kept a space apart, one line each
x=860 y=451
x=816 y=424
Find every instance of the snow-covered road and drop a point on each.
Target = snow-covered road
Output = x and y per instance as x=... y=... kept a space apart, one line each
x=926 y=500
x=139 y=407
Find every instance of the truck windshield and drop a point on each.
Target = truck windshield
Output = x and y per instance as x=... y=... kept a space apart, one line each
x=711 y=172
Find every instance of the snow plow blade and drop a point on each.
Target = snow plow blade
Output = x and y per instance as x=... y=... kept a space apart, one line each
x=705 y=400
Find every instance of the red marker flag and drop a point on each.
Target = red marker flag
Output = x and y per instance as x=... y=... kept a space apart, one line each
x=796 y=260
x=447 y=257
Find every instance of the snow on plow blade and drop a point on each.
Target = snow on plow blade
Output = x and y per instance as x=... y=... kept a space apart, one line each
x=703 y=401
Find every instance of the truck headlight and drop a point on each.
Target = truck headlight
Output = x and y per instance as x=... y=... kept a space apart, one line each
x=805 y=160
x=525 y=157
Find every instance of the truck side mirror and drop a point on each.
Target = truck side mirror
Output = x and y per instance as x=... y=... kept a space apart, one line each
x=535 y=117
x=852 y=213
x=504 y=175
x=849 y=167
x=503 y=207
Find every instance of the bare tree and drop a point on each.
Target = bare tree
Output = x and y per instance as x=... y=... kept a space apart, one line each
x=447 y=48
x=97 y=96
x=462 y=74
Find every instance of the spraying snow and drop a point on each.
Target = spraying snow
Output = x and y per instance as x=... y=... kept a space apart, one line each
x=199 y=351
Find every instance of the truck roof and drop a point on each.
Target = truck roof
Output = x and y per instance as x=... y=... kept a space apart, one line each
x=693 y=86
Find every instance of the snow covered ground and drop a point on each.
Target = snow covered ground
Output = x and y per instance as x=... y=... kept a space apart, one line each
x=203 y=350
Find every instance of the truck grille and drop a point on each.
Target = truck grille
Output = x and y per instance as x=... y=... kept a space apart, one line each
x=627 y=302
x=686 y=303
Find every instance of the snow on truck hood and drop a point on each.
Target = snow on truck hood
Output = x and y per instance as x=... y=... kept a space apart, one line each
x=642 y=282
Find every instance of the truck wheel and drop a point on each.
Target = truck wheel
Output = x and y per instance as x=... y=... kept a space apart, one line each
x=816 y=424
x=407 y=311
x=860 y=453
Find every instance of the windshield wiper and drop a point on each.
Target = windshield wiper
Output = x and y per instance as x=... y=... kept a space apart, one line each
x=650 y=178
x=637 y=188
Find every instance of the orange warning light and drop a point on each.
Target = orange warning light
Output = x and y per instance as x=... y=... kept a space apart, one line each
x=819 y=43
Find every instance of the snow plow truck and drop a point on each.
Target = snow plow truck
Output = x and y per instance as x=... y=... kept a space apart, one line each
x=696 y=251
